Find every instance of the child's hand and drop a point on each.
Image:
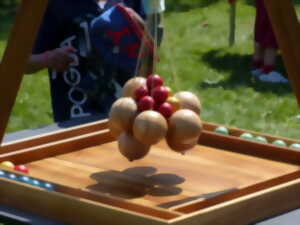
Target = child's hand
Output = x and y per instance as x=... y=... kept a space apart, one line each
x=59 y=59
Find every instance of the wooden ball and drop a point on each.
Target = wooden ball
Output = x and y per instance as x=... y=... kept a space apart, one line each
x=21 y=168
x=150 y=127
x=189 y=101
x=131 y=148
x=122 y=115
x=7 y=164
x=131 y=85
x=185 y=128
x=175 y=103
x=179 y=147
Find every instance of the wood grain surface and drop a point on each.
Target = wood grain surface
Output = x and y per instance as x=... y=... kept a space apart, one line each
x=163 y=178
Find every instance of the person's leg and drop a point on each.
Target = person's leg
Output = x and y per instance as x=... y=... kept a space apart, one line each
x=269 y=59
x=258 y=54
x=268 y=70
x=257 y=59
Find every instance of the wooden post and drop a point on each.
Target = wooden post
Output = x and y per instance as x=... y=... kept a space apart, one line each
x=19 y=48
x=232 y=16
x=285 y=24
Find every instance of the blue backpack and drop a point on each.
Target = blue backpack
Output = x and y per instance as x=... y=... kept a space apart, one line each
x=116 y=37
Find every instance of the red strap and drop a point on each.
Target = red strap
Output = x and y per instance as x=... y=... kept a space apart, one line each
x=136 y=27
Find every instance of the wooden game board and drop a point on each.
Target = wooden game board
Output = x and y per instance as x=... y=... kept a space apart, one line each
x=224 y=180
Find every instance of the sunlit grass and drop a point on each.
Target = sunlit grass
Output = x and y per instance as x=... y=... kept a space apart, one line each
x=195 y=56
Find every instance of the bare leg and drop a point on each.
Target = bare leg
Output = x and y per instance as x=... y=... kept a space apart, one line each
x=257 y=60
x=270 y=56
x=258 y=54
x=269 y=74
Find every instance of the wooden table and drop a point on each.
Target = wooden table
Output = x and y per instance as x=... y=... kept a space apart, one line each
x=183 y=182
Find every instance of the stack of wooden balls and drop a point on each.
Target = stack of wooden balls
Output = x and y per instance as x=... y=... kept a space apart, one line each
x=148 y=112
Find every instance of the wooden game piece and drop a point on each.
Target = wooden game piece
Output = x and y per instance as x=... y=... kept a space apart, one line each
x=174 y=102
x=189 y=101
x=7 y=164
x=122 y=115
x=179 y=147
x=21 y=168
x=131 y=86
x=150 y=127
x=131 y=148
x=185 y=128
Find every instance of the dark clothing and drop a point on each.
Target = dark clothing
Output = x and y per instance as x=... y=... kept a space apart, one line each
x=263 y=33
x=87 y=87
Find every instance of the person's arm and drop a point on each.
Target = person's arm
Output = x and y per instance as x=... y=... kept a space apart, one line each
x=58 y=59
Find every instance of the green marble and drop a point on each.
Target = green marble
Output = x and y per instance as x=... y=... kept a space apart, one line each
x=222 y=130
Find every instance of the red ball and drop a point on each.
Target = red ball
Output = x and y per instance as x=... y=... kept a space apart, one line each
x=166 y=109
x=160 y=94
x=146 y=103
x=141 y=92
x=156 y=106
x=154 y=81
x=21 y=168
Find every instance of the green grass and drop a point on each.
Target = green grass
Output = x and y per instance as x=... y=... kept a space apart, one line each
x=195 y=56
x=32 y=108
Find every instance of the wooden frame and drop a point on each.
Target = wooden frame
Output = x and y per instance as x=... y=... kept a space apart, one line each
x=75 y=205
x=19 y=48
x=286 y=28
x=252 y=198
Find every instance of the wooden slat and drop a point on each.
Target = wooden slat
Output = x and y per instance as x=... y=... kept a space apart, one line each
x=250 y=208
x=155 y=180
x=205 y=203
x=284 y=20
x=236 y=144
x=75 y=210
x=59 y=147
x=208 y=126
x=19 y=48
x=54 y=136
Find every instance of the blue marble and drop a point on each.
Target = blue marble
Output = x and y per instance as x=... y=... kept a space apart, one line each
x=2 y=173
x=48 y=186
x=25 y=179
x=12 y=176
x=36 y=183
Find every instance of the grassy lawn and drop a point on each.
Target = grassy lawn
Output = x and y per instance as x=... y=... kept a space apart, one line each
x=32 y=108
x=195 y=56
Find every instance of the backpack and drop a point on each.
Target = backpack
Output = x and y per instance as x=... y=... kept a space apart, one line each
x=117 y=37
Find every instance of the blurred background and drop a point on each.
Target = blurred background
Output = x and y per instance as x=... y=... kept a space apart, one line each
x=194 y=56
